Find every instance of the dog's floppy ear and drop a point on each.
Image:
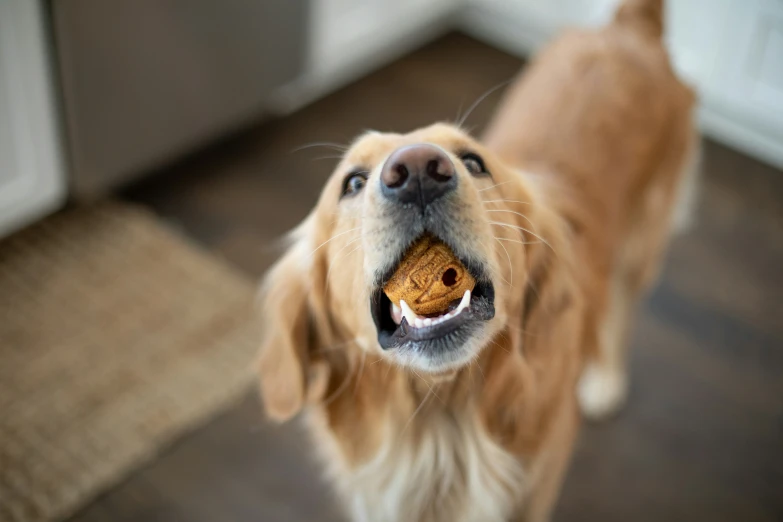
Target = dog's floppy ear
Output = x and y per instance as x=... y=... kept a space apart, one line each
x=543 y=348
x=552 y=310
x=289 y=378
x=553 y=305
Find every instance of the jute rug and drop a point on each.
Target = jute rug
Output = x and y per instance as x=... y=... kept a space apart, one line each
x=116 y=335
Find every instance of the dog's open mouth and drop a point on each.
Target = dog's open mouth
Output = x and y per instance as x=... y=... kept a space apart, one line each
x=438 y=330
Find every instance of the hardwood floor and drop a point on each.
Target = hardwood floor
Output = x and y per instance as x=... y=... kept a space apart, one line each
x=701 y=438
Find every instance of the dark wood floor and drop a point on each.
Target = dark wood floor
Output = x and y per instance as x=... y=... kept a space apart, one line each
x=702 y=436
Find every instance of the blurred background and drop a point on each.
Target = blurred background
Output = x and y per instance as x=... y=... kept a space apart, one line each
x=153 y=151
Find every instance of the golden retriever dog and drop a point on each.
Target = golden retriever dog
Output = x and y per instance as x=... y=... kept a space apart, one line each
x=561 y=213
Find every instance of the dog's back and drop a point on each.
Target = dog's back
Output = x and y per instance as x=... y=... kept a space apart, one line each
x=599 y=104
x=603 y=120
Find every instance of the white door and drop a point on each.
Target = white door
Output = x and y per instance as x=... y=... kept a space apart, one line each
x=32 y=179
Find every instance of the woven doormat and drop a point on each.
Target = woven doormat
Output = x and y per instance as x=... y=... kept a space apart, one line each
x=116 y=335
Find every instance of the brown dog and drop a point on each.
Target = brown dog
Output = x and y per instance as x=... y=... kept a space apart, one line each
x=561 y=214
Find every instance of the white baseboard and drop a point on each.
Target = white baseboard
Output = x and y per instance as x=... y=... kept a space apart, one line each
x=718 y=124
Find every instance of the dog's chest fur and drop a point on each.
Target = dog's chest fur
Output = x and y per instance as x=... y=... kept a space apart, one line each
x=441 y=467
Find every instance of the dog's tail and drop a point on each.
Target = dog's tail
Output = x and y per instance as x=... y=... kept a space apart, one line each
x=643 y=16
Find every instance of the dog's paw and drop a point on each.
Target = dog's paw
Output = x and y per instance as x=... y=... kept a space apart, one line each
x=602 y=391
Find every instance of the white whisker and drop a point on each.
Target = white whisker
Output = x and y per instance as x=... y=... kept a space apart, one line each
x=495 y=185
x=416 y=411
x=500 y=346
x=459 y=109
x=332 y=239
x=513 y=212
x=475 y=359
x=507 y=201
x=481 y=370
x=327 y=144
x=340 y=389
x=487 y=249
x=427 y=384
x=479 y=100
x=498 y=223
x=517 y=241
x=510 y=267
x=361 y=370
x=333 y=263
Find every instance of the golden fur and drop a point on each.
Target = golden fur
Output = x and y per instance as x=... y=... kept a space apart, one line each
x=586 y=153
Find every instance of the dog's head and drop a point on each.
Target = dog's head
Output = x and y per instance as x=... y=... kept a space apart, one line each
x=388 y=191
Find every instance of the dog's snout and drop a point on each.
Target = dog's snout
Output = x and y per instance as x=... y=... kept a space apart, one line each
x=417 y=174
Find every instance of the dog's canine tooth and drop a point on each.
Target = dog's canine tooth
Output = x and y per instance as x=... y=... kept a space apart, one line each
x=396 y=313
x=408 y=313
x=464 y=303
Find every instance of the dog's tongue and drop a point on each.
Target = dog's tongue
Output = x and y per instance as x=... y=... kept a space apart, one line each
x=429 y=278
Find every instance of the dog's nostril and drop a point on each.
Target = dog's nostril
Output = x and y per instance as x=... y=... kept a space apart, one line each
x=437 y=171
x=397 y=176
x=432 y=167
x=449 y=277
x=402 y=174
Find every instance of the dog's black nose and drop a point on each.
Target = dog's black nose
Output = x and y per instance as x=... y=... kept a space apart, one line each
x=417 y=174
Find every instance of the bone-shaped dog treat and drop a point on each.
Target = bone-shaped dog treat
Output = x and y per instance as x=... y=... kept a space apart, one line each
x=429 y=278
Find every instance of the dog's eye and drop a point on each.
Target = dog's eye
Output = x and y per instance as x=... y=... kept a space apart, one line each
x=474 y=164
x=354 y=183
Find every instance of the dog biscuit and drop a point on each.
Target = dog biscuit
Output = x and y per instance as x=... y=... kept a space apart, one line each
x=429 y=278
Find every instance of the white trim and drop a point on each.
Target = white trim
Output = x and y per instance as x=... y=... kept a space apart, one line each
x=32 y=183
x=738 y=132
x=518 y=29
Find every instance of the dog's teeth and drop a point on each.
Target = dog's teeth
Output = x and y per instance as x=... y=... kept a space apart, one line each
x=414 y=320
x=464 y=303
x=396 y=313
x=409 y=314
